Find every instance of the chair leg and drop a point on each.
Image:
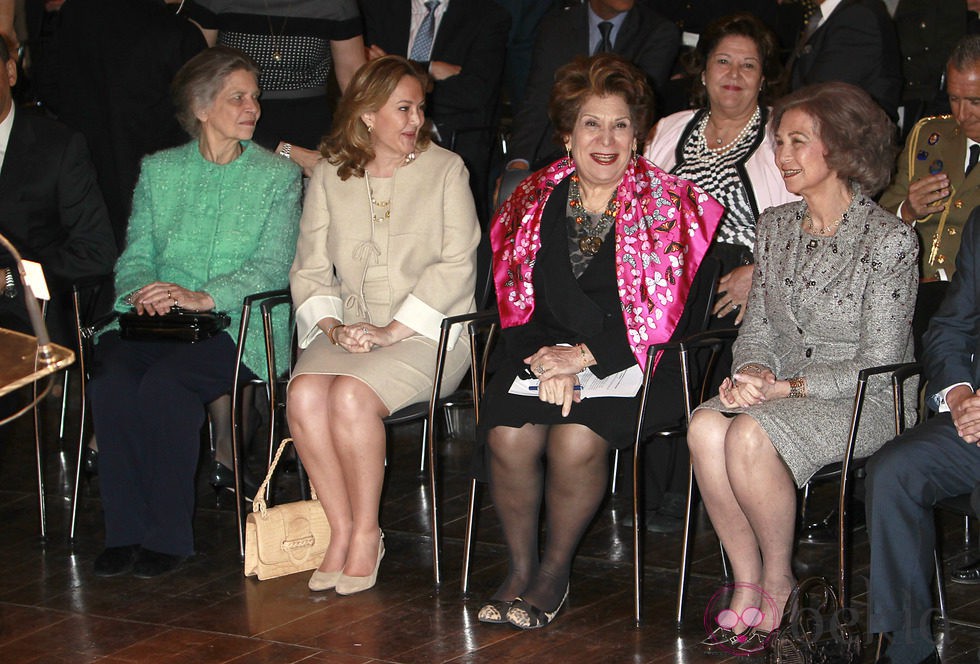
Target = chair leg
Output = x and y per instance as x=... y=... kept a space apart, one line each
x=685 y=548
x=613 y=485
x=78 y=469
x=434 y=500
x=637 y=540
x=940 y=588
x=424 y=442
x=468 y=539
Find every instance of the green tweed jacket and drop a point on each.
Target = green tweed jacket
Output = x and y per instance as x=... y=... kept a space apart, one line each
x=228 y=230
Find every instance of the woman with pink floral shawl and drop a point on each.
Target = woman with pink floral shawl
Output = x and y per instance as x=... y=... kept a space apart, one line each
x=594 y=259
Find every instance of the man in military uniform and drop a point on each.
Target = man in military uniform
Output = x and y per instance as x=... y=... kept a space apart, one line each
x=936 y=186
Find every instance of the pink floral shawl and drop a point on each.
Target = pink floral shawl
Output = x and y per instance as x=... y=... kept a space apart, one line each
x=663 y=229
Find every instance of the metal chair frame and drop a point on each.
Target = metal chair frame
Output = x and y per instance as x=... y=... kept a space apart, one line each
x=844 y=469
x=422 y=411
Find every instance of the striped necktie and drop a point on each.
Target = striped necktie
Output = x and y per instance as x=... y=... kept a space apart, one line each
x=422 y=47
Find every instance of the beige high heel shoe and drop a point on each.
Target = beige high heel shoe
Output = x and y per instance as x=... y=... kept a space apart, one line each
x=348 y=585
x=323 y=580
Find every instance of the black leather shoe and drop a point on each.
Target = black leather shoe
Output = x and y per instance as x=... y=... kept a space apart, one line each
x=115 y=560
x=223 y=477
x=149 y=564
x=90 y=461
x=968 y=574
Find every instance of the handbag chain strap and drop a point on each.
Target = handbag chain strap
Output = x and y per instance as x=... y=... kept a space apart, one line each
x=258 y=503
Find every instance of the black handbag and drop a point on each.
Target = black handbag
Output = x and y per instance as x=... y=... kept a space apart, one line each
x=177 y=325
x=814 y=629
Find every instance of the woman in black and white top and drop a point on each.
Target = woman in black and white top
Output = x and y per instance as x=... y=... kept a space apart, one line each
x=296 y=44
x=722 y=146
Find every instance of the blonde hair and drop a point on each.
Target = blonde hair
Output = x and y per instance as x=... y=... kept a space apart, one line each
x=348 y=145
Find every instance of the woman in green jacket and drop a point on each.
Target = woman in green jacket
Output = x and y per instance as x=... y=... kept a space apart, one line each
x=212 y=221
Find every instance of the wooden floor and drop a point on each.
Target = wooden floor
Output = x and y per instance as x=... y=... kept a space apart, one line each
x=52 y=609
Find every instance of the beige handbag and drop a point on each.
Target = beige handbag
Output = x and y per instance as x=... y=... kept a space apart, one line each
x=284 y=539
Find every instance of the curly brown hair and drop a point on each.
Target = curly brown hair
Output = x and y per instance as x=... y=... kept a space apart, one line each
x=859 y=137
x=197 y=84
x=599 y=76
x=736 y=25
x=348 y=145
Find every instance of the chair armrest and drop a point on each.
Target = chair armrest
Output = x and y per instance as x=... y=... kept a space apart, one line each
x=252 y=298
x=867 y=372
x=472 y=317
x=906 y=371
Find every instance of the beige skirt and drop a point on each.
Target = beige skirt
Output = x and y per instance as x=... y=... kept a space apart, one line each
x=400 y=374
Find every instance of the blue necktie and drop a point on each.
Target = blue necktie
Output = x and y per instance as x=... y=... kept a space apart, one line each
x=605 y=44
x=422 y=47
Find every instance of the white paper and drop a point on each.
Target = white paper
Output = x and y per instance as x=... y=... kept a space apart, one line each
x=625 y=383
x=34 y=276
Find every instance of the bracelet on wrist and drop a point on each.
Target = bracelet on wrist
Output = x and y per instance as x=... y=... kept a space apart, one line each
x=752 y=369
x=331 y=334
x=797 y=387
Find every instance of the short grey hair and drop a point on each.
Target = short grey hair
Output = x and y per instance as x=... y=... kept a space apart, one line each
x=965 y=53
x=199 y=81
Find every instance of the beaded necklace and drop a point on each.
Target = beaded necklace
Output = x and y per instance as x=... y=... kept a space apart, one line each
x=592 y=232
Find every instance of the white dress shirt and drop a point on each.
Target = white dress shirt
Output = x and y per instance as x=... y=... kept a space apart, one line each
x=5 y=127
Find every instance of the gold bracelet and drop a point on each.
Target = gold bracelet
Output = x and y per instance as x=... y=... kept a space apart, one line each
x=753 y=369
x=797 y=387
x=330 y=334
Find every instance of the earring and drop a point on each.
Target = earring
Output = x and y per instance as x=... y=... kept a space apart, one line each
x=568 y=151
x=370 y=128
x=702 y=79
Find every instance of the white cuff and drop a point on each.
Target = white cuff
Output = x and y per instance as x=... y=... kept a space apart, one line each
x=939 y=399
x=312 y=312
x=425 y=320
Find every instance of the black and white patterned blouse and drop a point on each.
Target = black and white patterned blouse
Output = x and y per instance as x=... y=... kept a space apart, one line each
x=288 y=39
x=716 y=173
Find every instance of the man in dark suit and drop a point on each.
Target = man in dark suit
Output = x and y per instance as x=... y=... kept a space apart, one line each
x=855 y=42
x=462 y=44
x=637 y=33
x=936 y=459
x=51 y=209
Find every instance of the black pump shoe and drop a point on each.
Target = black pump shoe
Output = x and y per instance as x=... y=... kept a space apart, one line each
x=223 y=477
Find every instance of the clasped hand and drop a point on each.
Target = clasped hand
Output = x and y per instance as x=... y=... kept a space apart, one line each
x=746 y=390
x=964 y=406
x=363 y=337
x=158 y=297
x=556 y=368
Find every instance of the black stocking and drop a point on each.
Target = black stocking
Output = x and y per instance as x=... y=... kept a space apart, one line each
x=578 y=471
x=574 y=488
x=516 y=480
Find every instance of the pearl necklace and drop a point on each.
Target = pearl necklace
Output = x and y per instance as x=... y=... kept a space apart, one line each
x=721 y=149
